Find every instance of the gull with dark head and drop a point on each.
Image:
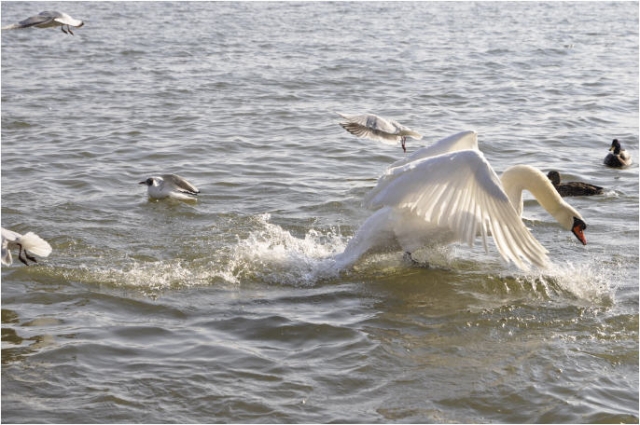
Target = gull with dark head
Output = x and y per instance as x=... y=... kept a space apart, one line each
x=48 y=19
x=170 y=186
x=373 y=127
x=27 y=244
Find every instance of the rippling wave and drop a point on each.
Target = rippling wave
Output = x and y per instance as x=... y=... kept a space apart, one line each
x=234 y=308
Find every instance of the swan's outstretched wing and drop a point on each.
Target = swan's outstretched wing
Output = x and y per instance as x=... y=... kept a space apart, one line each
x=457 y=142
x=373 y=127
x=459 y=191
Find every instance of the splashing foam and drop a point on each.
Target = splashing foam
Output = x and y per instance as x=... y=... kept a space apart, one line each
x=271 y=254
x=274 y=255
x=589 y=281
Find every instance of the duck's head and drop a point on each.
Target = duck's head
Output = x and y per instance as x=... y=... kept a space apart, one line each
x=615 y=147
x=554 y=176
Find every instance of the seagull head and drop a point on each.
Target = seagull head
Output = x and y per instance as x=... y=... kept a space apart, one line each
x=151 y=181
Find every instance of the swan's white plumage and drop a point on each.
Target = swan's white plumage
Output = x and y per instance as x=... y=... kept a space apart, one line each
x=459 y=192
x=455 y=142
x=448 y=192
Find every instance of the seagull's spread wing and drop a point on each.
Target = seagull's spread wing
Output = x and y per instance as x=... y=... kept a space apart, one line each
x=459 y=191
x=46 y=19
x=371 y=127
x=40 y=19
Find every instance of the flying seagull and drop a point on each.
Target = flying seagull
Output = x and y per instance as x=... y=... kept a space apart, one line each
x=170 y=186
x=48 y=19
x=373 y=127
x=27 y=244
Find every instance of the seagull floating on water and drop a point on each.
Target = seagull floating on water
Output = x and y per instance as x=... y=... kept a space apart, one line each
x=373 y=127
x=619 y=158
x=448 y=193
x=27 y=244
x=573 y=188
x=170 y=186
x=48 y=19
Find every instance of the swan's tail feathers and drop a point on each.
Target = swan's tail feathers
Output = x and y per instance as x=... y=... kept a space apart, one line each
x=35 y=245
x=11 y=27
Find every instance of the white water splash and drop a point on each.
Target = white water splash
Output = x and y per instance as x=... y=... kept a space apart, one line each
x=590 y=282
x=272 y=254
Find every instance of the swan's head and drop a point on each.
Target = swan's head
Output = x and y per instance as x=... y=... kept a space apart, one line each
x=578 y=228
x=570 y=219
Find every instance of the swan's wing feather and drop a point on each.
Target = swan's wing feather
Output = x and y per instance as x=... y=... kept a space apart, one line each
x=460 y=141
x=461 y=192
x=456 y=142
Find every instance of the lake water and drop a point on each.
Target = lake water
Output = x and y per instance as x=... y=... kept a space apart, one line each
x=230 y=309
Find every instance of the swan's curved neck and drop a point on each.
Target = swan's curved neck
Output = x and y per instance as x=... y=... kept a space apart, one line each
x=518 y=178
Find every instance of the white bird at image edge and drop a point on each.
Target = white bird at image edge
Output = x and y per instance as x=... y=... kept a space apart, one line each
x=48 y=19
x=27 y=244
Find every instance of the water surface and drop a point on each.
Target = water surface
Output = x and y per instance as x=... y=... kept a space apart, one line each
x=231 y=309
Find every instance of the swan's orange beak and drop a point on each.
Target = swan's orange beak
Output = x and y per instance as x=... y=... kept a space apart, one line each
x=578 y=229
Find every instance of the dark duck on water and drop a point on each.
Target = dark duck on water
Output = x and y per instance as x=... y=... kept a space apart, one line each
x=617 y=156
x=573 y=188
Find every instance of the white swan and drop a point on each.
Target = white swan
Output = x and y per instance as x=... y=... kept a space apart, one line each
x=28 y=243
x=170 y=186
x=446 y=195
x=48 y=19
x=373 y=127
